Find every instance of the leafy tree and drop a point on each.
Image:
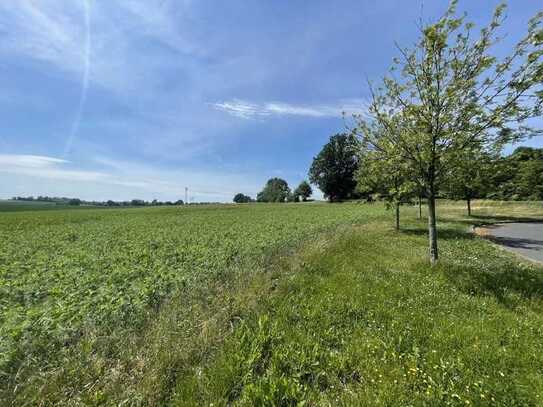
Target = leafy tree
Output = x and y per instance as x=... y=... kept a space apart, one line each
x=469 y=177
x=518 y=176
x=293 y=196
x=74 y=202
x=529 y=180
x=241 y=198
x=386 y=176
x=304 y=190
x=333 y=169
x=451 y=95
x=275 y=190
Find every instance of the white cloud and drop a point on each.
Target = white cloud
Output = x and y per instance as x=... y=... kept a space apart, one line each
x=124 y=180
x=56 y=32
x=9 y=161
x=248 y=110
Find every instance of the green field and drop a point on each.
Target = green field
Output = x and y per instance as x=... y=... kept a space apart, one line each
x=265 y=304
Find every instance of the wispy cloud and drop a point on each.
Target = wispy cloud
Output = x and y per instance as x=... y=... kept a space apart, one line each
x=248 y=110
x=8 y=161
x=57 y=32
x=136 y=180
x=84 y=82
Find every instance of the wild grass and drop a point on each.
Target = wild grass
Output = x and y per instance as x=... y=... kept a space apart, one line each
x=81 y=291
x=320 y=305
x=361 y=319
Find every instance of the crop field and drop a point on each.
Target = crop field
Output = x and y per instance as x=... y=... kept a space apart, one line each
x=18 y=206
x=65 y=273
x=266 y=304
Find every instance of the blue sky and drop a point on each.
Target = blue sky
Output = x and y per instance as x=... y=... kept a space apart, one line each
x=140 y=98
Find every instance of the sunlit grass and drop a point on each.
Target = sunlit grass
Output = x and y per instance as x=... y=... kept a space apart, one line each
x=323 y=304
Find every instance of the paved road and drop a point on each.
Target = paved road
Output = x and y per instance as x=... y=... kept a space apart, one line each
x=523 y=238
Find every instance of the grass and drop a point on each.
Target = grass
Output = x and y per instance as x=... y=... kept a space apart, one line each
x=17 y=206
x=361 y=319
x=80 y=287
x=324 y=305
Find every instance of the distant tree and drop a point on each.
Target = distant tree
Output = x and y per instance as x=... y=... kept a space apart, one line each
x=275 y=190
x=179 y=202
x=518 y=176
x=74 y=202
x=293 y=196
x=241 y=198
x=469 y=178
x=137 y=202
x=304 y=190
x=333 y=169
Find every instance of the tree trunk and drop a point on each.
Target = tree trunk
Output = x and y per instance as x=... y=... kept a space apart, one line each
x=420 y=207
x=432 y=230
x=397 y=216
x=468 y=201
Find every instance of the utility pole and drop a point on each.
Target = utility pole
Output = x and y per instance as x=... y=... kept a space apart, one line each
x=186 y=195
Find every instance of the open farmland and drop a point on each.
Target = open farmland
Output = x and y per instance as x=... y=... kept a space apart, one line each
x=69 y=275
x=268 y=304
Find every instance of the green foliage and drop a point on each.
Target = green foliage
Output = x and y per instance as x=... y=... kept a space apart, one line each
x=241 y=198
x=79 y=289
x=275 y=190
x=333 y=169
x=518 y=176
x=358 y=319
x=470 y=177
x=453 y=97
x=304 y=190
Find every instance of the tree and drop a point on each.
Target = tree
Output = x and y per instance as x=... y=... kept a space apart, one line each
x=333 y=169
x=74 y=202
x=293 y=196
x=304 y=190
x=275 y=190
x=241 y=198
x=452 y=95
x=386 y=176
x=469 y=177
x=518 y=176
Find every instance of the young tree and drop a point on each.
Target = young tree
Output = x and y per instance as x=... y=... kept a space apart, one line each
x=469 y=178
x=387 y=176
x=304 y=190
x=275 y=190
x=453 y=95
x=333 y=169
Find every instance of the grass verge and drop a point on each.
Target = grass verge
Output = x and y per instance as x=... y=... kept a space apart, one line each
x=361 y=319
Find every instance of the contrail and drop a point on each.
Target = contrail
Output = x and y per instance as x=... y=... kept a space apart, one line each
x=85 y=81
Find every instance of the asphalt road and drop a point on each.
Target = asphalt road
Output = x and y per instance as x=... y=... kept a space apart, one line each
x=523 y=238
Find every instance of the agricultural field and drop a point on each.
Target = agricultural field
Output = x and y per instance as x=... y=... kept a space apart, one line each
x=17 y=206
x=266 y=304
x=69 y=275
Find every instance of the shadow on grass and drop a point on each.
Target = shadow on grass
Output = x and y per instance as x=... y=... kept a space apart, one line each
x=442 y=233
x=506 y=281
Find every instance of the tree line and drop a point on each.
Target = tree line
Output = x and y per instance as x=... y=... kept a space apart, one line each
x=78 y=202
